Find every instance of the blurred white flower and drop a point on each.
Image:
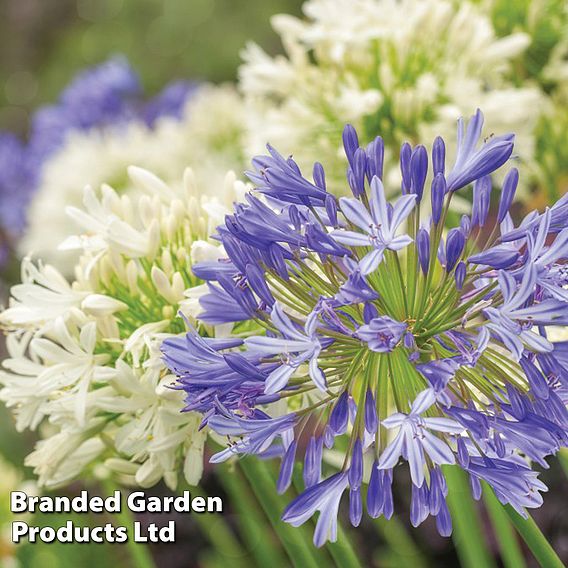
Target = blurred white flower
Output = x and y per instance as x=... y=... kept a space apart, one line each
x=208 y=136
x=403 y=69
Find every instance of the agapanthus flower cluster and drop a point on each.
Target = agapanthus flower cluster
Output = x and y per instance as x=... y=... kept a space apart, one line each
x=374 y=64
x=405 y=345
x=102 y=124
x=84 y=361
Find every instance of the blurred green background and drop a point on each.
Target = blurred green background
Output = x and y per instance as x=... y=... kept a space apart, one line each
x=43 y=43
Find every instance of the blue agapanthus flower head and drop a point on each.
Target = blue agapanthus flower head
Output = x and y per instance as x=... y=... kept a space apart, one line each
x=104 y=95
x=16 y=183
x=392 y=337
x=108 y=95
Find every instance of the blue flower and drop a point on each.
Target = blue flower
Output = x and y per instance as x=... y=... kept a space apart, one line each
x=295 y=346
x=323 y=497
x=108 y=95
x=414 y=438
x=359 y=326
x=379 y=223
x=382 y=334
x=472 y=164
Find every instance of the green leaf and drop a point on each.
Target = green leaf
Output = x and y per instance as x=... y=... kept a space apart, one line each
x=301 y=551
x=402 y=547
x=138 y=551
x=219 y=534
x=468 y=533
x=252 y=521
x=342 y=551
x=535 y=540
x=511 y=553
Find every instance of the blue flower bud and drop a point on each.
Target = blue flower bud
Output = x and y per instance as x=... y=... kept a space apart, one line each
x=319 y=176
x=331 y=209
x=355 y=506
x=375 y=492
x=418 y=171
x=350 y=142
x=438 y=156
x=375 y=158
x=444 y=520
x=405 y=156
x=455 y=243
x=438 y=193
x=423 y=246
x=419 y=506
x=356 y=468
x=460 y=274
x=358 y=168
x=286 y=468
x=481 y=201
x=312 y=462
x=371 y=419
x=507 y=193
x=340 y=414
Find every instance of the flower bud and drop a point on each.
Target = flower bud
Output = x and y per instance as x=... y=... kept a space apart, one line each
x=455 y=243
x=423 y=246
x=438 y=193
x=438 y=156
x=507 y=193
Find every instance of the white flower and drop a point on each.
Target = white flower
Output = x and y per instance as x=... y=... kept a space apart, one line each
x=85 y=357
x=43 y=295
x=404 y=69
x=207 y=136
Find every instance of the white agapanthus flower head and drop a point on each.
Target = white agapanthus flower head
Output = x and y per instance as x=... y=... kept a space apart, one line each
x=84 y=357
x=406 y=69
x=208 y=136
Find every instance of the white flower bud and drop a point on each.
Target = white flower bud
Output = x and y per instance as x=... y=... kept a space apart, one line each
x=99 y=305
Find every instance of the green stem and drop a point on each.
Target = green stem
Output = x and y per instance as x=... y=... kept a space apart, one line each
x=535 y=540
x=468 y=534
x=301 y=553
x=139 y=552
x=342 y=551
x=400 y=543
x=216 y=530
x=508 y=545
x=251 y=520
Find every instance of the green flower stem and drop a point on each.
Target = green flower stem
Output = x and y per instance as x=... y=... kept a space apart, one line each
x=506 y=537
x=342 y=551
x=468 y=534
x=252 y=521
x=139 y=552
x=400 y=543
x=535 y=540
x=300 y=550
x=216 y=530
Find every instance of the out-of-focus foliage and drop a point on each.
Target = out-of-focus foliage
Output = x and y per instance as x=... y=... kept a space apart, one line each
x=546 y=62
x=43 y=43
x=545 y=21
